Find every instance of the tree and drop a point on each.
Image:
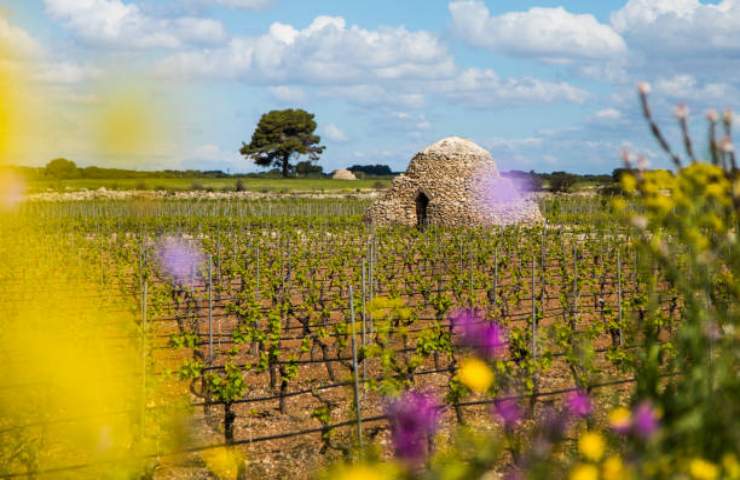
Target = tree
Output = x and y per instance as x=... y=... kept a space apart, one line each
x=282 y=135
x=376 y=170
x=62 y=168
x=562 y=181
x=307 y=168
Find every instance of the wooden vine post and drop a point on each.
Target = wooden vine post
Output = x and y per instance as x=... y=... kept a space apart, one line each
x=355 y=368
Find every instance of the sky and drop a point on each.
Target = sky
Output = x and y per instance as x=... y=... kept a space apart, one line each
x=544 y=85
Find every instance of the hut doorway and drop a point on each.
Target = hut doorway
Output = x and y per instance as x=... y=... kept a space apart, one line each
x=422 y=205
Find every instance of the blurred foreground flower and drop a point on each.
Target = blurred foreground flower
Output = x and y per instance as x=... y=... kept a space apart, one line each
x=179 y=259
x=579 y=404
x=223 y=462
x=486 y=338
x=645 y=420
x=12 y=190
x=414 y=418
x=584 y=472
x=620 y=419
x=378 y=471
x=476 y=375
x=508 y=411
x=614 y=469
x=591 y=445
x=701 y=469
x=496 y=190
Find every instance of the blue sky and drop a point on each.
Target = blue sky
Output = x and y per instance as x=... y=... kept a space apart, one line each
x=544 y=85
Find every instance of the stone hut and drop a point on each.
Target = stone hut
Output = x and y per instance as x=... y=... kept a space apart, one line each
x=453 y=182
x=343 y=174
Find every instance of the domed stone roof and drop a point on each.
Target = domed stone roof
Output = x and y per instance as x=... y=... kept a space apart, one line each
x=451 y=146
x=343 y=174
x=453 y=182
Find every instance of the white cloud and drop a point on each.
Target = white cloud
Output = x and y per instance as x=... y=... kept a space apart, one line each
x=245 y=4
x=687 y=87
x=551 y=34
x=608 y=114
x=414 y=123
x=328 y=51
x=484 y=88
x=288 y=94
x=334 y=133
x=681 y=26
x=367 y=95
x=65 y=73
x=16 y=42
x=382 y=67
x=213 y=157
x=513 y=143
x=115 y=23
x=18 y=47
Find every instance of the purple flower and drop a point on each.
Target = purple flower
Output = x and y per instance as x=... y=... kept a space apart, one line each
x=414 y=418
x=485 y=337
x=552 y=424
x=644 y=420
x=508 y=411
x=496 y=190
x=579 y=404
x=179 y=259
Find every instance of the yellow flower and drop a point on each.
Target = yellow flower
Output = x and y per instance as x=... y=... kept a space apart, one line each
x=716 y=190
x=619 y=204
x=476 y=375
x=223 y=462
x=731 y=466
x=701 y=469
x=629 y=183
x=614 y=469
x=620 y=419
x=361 y=472
x=584 y=472
x=591 y=445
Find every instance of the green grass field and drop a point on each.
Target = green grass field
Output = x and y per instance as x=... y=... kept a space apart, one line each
x=215 y=184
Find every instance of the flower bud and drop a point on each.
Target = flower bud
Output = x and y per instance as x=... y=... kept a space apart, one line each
x=642 y=162
x=726 y=146
x=712 y=115
x=681 y=112
x=728 y=115
x=644 y=88
x=640 y=222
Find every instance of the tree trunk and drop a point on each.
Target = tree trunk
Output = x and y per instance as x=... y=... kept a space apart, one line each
x=286 y=165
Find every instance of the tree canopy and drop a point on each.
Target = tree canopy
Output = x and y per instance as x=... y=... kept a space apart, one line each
x=282 y=135
x=62 y=168
x=376 y=170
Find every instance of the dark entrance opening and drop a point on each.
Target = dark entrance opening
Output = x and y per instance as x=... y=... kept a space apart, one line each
x=422 y=204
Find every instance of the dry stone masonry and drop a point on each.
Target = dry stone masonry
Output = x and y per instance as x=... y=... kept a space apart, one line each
x=343 y=174
x=453 y=182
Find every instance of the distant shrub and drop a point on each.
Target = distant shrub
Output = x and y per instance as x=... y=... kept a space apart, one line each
x=377 y=170
x=378 y=185
x=61 y=168
x=141 y=186
x=562 y=182
x=240 y=187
